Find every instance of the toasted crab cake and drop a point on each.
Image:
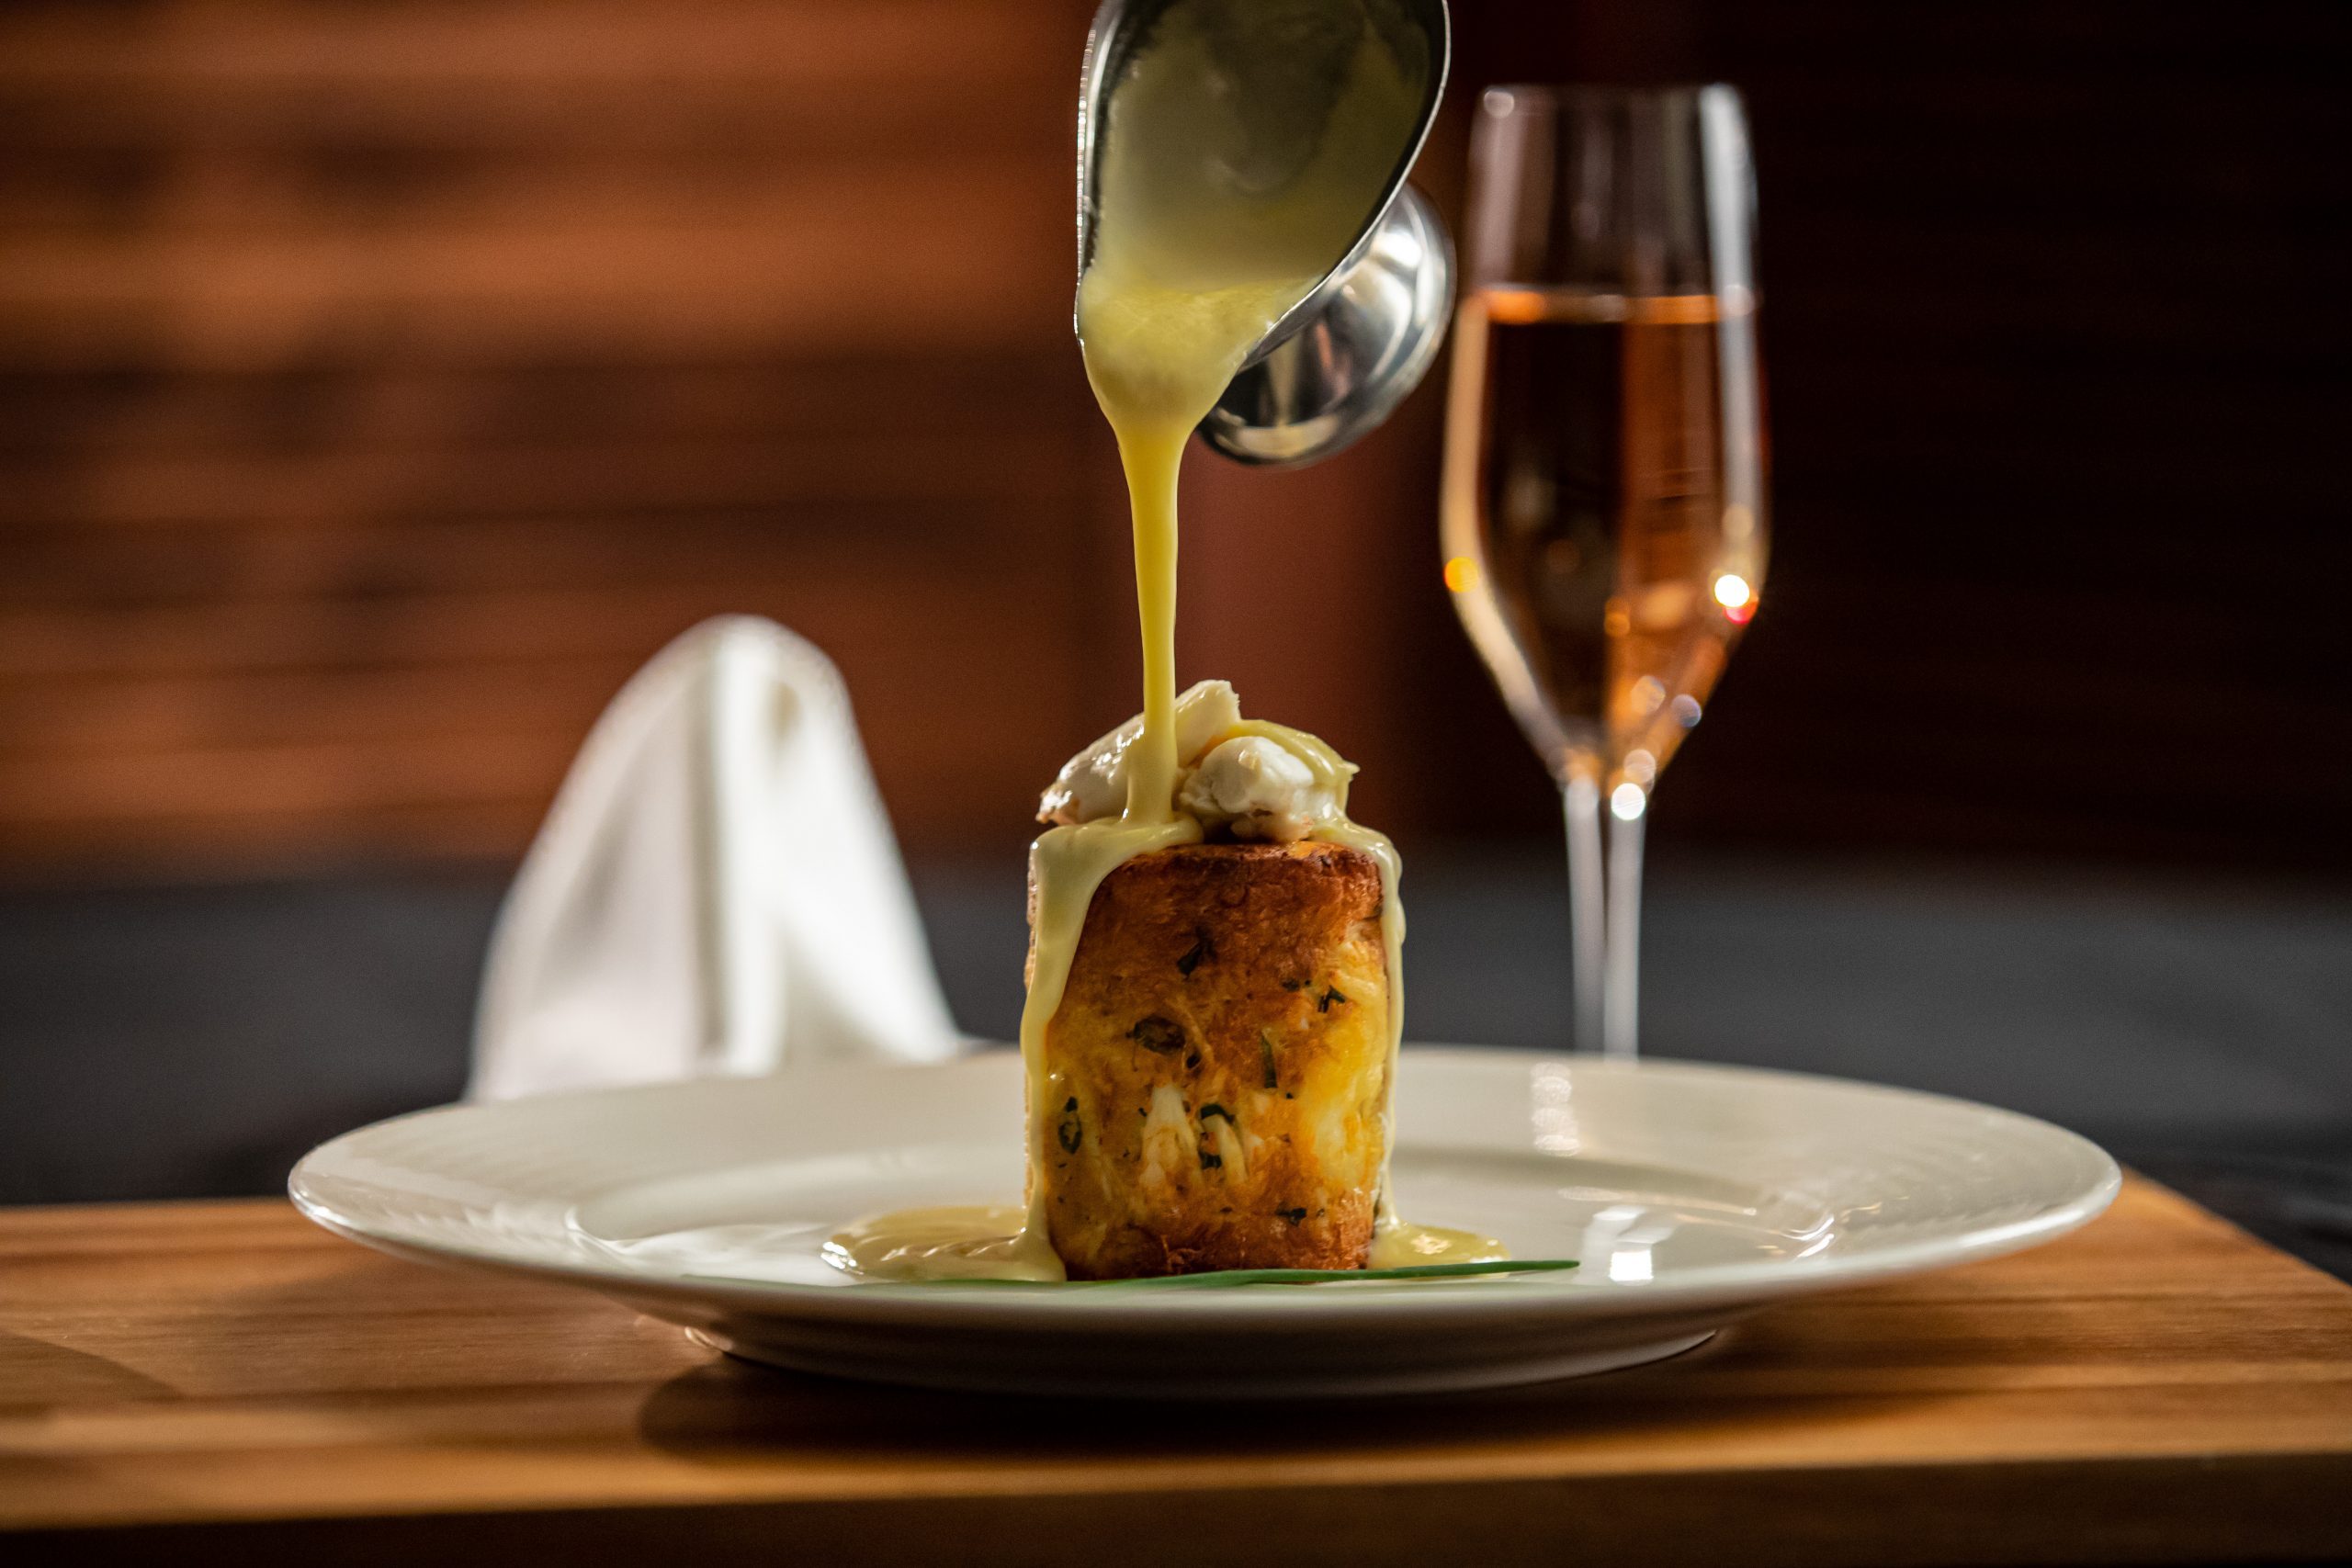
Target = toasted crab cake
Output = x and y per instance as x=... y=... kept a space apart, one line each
x=1218 y=1066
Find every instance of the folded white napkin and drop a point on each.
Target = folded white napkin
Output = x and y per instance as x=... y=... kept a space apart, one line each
x=716 y=889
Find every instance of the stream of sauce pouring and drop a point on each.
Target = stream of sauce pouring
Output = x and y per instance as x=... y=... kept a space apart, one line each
x=1220 y=209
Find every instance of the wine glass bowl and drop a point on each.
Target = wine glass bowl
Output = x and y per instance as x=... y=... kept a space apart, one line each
x=1603 y=514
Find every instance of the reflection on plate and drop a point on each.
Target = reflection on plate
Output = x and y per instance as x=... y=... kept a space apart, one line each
x=1693 y=1195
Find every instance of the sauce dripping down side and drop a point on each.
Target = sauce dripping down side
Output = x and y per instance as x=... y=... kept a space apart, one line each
x=1237 y=166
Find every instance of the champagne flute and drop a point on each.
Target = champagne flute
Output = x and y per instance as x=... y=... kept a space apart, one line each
x=1603 y=505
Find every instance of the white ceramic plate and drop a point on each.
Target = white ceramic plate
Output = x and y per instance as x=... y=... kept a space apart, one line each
x=1693 y=1195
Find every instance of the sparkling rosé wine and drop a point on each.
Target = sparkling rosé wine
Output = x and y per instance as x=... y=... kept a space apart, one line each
x=1602 y=539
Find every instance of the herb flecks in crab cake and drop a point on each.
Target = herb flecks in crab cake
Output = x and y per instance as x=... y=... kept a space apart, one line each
x=1219 y=1067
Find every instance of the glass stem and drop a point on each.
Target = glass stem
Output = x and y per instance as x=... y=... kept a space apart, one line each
x=1580 y=803
x=1619 y=991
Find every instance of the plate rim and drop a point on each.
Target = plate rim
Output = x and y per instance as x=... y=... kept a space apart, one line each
x=1716 y=1288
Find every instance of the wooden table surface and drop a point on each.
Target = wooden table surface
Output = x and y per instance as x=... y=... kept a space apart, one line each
x=184 y=1382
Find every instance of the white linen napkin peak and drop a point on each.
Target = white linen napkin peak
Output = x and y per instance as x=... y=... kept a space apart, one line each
x=715 y=890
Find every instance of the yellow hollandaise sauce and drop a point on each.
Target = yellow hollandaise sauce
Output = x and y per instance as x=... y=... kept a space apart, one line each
x=1238 y=165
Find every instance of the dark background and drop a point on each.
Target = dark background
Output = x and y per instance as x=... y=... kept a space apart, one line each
x=380 y=384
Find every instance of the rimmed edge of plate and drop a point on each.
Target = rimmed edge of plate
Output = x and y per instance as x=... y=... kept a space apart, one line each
x=1707 y=1288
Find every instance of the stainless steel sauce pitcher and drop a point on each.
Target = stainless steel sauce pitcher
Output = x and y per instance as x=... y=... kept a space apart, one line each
x=1335 y=365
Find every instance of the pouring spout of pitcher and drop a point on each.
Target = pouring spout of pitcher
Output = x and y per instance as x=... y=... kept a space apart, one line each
x=1353 y=350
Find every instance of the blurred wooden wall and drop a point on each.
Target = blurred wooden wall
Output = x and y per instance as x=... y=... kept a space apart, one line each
x=379 y=384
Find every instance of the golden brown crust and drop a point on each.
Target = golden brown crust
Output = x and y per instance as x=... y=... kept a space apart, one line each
x=1219 y=1063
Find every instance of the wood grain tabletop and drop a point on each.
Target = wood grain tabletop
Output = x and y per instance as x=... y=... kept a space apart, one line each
x=189 y=1382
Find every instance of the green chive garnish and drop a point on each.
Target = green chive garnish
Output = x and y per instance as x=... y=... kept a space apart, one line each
x=1227 y=1278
